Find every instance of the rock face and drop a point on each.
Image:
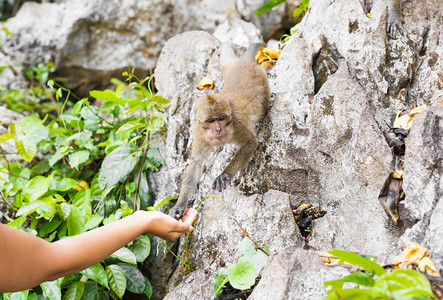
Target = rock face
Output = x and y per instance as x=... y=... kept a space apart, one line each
x=336 y=89
x=92 y=41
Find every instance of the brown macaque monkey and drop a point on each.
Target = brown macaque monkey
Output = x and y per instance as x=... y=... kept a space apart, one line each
x=227 y=117
x=395 y=19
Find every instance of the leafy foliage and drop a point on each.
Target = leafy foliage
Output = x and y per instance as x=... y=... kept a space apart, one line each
x=93 y=172
x=398 y=284
x=243 y=273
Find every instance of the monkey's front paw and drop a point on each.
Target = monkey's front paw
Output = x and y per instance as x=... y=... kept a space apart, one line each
x=220 y=182
x=177 y=211
x=395 y=27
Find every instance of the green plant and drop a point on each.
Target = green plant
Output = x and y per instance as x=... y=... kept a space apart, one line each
x=93 y=172
x=298 y=12
x=374 y=283
x=243 y=273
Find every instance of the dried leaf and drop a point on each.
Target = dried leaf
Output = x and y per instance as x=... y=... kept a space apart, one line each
x=328 y=258
x=405 y=121
x=417 y=255
x=206 y=83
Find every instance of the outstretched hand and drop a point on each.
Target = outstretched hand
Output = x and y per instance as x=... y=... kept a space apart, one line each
x=166 y=227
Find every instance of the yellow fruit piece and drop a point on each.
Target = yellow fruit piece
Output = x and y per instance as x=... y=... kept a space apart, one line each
x=206 y=83
x=398 y=175
x=369 y=15
x=267 y=57
x=402 y=122
x=427 y=266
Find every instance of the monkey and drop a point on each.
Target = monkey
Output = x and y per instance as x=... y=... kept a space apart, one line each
x=227 y=117
x=395 y=19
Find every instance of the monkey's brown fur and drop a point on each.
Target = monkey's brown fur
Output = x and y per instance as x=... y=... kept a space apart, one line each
x=227 y=117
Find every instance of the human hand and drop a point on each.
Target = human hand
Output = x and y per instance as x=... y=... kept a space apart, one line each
x=168 y=228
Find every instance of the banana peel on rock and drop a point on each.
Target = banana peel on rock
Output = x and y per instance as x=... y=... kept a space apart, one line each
x=392 y=191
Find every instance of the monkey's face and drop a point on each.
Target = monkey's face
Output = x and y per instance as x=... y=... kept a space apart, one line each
x=217 y=130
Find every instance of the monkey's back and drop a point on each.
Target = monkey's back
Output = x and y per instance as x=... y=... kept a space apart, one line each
x=247 y=88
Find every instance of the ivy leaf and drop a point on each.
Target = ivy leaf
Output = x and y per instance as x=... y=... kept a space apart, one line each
x=64 y=209
x=116 y=279
x=108 y=96
x=242 y=274
x=136 y=282
x=126 y=255
x=82 y=201
x=117 y=165
x=5 y=137
x=97 y=273
x=29 y=208
x=141 y=247
x=61 y=184
x=247 y=247
x=51 y=290
x=75 y=291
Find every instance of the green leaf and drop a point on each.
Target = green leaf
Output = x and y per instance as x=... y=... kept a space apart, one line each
x=144 y=192
x=156 y=124
x=107 y=95
x=357 y=260
x=82 y=201
x=402 y=284
x=61 y=184
x=64 y=209
x=131 y=125
x=117 y=165
x=97 y=273
x=34 y=129
x=23 y=295
x=242 y=274
x=153 y=159
x=158 y=102
x=163 y=202
x=5 y=137
x=75 y=291
x=93 y=222
x=141 y=247
x=349 y=294
x=77 y=158
x=93 y=292
x=76 y=221
x=126 y=255
x=17 y=222
x=36 y=187
x=29 y=208
x=268 y=6
x=247 y=247
x=220 y=280
x=26 y=148
x=148 y=289
x=49 y=226
x=116 y=279
x=136 y=282
x=51 y=290
x=359 y=278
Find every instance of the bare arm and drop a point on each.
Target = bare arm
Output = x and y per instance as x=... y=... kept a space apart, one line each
x=26 y=260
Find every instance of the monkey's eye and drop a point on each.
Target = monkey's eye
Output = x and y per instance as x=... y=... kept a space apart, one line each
x=210 y=121
x=222 y=119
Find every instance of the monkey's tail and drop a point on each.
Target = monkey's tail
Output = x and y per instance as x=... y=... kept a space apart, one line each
x=250 y=54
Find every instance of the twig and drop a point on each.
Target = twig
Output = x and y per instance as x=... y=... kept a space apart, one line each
x=246 y=234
